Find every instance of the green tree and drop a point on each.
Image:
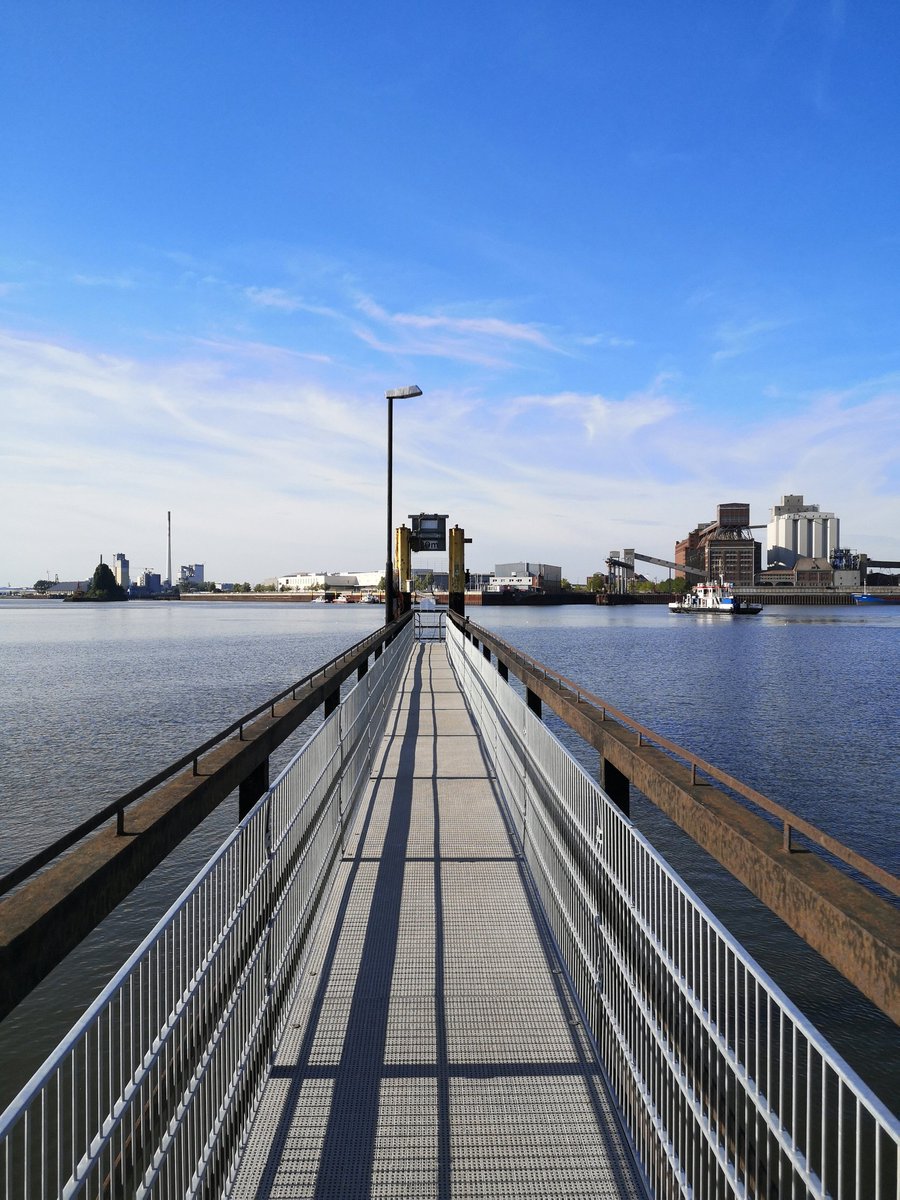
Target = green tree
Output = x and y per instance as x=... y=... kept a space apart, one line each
x=565 y=586
x=596 y=582
x=43 y=586
x=104 y=586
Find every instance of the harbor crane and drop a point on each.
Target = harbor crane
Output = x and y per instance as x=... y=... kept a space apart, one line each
x=619 y=566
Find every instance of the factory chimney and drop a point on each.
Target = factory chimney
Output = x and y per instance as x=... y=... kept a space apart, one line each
x=169 y=554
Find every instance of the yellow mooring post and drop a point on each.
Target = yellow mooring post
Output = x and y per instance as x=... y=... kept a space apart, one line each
x=457 y=581
x=404 y=569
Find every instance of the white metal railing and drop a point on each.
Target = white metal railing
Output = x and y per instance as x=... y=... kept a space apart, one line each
x=151 y=1093
x=725 y=1088
x=431 y=623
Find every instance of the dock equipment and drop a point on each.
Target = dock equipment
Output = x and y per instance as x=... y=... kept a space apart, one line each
x=436 y=959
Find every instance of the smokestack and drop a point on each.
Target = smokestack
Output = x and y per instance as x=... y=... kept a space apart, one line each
x=169 y=554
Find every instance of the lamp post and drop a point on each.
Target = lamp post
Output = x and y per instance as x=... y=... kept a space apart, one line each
x=404 y=393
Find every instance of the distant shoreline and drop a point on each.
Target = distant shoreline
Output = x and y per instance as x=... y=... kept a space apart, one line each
x=769 y=598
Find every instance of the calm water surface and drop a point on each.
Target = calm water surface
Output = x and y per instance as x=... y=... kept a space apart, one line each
x=800 y=702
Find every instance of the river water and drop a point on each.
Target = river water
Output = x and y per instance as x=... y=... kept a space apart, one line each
x=801 y=703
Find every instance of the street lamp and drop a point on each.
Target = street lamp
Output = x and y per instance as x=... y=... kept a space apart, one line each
x=404 y=393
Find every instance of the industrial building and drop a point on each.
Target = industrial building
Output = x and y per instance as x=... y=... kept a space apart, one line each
x=330 y=581
x=799 y=530
x=68 y=587
x=476 y=581
x=120 y=570
x=192 y=574
x=149 y=583
x=804 y=549
x=526 y=577
x=805 y=573
x=724 y=548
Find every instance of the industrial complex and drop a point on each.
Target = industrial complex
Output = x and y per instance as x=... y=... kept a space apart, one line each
x=803 y=551
x=800 y=550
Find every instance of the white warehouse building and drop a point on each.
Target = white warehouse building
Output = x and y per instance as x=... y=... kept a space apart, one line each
x=337 y=581
x=799 y=530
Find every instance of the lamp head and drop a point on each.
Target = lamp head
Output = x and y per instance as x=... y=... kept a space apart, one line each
x=404 y=393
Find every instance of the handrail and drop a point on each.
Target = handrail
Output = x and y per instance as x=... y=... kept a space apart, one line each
x=790 y=821
x=152 y=1090
x=725 y=1086
x=116 y=808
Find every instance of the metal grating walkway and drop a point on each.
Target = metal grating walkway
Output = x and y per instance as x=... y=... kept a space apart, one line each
x=434 y=1050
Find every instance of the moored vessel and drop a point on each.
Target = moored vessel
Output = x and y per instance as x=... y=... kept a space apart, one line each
x=717 y=598
x=871 y=598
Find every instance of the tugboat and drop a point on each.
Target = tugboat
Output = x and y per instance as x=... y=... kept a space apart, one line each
x=717 y=598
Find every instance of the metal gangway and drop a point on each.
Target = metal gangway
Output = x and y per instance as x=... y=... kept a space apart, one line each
x=436 y=960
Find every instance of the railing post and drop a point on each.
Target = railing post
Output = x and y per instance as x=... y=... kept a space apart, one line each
x=616 y=786
x=332 y=700
x=250 y=789
x=534 y=702
x=503 y=670
x=456 y=576
x=362 y=669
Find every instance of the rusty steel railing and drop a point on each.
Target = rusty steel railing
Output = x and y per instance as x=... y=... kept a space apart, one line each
x=116 y=808
x=789 y=821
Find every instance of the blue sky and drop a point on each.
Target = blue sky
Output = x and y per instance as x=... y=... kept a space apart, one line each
x=641 y=258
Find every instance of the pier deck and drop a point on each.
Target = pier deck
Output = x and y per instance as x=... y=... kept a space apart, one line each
x=434 y=1049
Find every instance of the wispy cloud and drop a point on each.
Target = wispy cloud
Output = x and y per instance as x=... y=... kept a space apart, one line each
x=610 y=341
x=272 y=297
x=487 y=340
x=489 y=327
x=280 y=300
x=97 y=443
x=120 y=282
x=736 y=339
x=264 y=352
x=602 y=416
x=269 y=462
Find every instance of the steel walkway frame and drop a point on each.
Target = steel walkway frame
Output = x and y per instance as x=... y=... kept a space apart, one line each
x=727 y=1089
x=394 y=977
x=435 y=1048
